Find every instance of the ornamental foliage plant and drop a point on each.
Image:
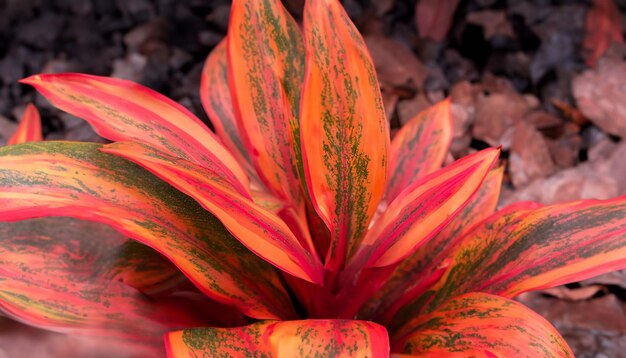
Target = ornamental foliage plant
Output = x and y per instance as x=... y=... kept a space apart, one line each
x=299 y=229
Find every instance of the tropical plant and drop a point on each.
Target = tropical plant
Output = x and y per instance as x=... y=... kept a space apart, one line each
x=306 y=230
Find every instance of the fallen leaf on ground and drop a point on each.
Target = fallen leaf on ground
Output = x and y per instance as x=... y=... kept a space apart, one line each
x=600 y=94
x=617 y=278
x=463 y=108
x=434 y=17
x=602 y=26
x=576 y=294
x=571 y=113
x=564 y=151
x=604 y=314
x=494 y=23
x=529 y=157
x=395 y=63
x=584 y=181
x=409 y=108
x=496 y=116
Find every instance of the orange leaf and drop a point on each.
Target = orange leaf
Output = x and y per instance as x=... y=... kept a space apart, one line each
x=76 y=180
x=422 y=209
x=345 y=135
x=216 y=100
x=482 y=325
x=57 y=277
x=419 y=271
x=265 y=68
x=526 y=247
x=260 y=230
x=419 y=148
x=308 y=338
x=121 y=110
x=29 y=129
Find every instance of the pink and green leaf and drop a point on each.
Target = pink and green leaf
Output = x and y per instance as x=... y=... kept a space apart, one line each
x=551 y=246
x=61 y=274
x=29 y=129
x=423 y=209
x=121 y=110
x=482 y=325
x=141 y=267
x=217 y=102
x=419 y=148
x=421 y=269
x=345 y=135
x=75 y=179
x=265 y=69
x=308 y=338
x=525 y=247
x=260 y=230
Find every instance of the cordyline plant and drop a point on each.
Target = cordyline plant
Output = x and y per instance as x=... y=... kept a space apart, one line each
x=308 y=232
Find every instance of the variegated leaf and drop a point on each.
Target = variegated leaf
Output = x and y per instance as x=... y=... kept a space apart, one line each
x=419 y=148
x=29 y=129
x=141 y=267
x=121 y=110
x=345 y=135
x=217 y=102
x=526 y=247
x=423 y=268
x=260 y=230
x=265 y=69
x=75 y=179
x=309 y=338
x=482 y=325
x=422 y=210
x=73 y=276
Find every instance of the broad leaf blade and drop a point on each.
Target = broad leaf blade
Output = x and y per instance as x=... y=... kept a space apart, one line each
x=423 y=209
x=266 y=67
x=121 y=110
x=309 y=338
x=417 y=272
x=217 y=102
x=482 y=325
x=141 y=267
x=559 y=244
x=56 y=274
x=419 y=148
x=262 y=231
x=431 y=298
x=75 y=179
x=524 y=248
x=29 y=129
x=345 y=135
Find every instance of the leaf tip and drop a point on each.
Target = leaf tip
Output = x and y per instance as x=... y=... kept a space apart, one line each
x=31 y=80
